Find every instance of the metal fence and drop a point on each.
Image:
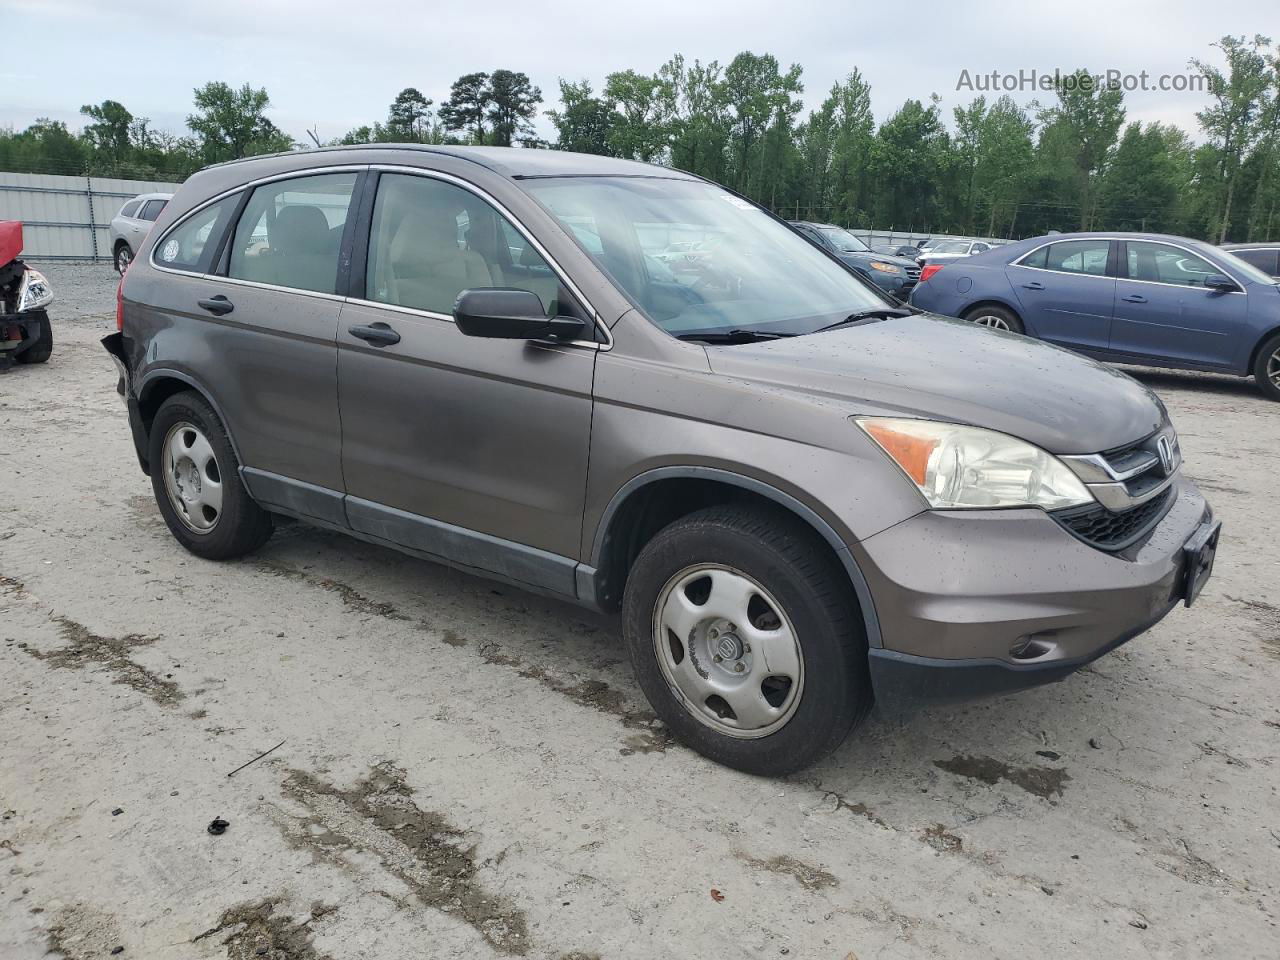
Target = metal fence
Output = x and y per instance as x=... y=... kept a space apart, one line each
x=889 y=238
x=67 y=218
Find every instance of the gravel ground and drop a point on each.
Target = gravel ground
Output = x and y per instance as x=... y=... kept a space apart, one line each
x=466 y=770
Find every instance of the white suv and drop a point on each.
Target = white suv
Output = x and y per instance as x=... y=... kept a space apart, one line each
x=129 y=227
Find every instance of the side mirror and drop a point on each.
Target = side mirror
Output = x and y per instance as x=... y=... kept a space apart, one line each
x=1220 y=283
x=503 y=313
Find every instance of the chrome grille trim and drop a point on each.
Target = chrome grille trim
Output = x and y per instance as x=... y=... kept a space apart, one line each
x=1123 y=479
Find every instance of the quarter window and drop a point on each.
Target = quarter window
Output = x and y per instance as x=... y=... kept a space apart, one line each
x=151 y=209
x=290 y=232
x=1160 y=263
x=430 y=240
x=189 y=246
x=130 y=209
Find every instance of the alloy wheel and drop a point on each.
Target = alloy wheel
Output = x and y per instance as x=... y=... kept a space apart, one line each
x=123 y=258
x=1273 y=369
x=990 y=320
x=192 y=478
x=728 y=650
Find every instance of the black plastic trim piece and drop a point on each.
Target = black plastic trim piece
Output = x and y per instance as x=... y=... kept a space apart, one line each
x=588 y=575
x=904 y=680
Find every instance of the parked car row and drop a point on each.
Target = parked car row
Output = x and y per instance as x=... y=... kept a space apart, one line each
x=626 y=387
x=1125 y=298
x=893 y=274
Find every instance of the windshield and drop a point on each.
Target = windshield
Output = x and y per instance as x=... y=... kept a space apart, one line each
x=843 y=240
x=950 y=246
x=1254 y=274
x=697 y=259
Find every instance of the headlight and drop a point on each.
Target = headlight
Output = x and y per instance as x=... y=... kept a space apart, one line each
x=955 y=466
x=35 y=291
x=884 y=267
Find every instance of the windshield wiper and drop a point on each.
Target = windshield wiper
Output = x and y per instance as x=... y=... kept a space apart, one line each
x=865 y=316
x=734 y=336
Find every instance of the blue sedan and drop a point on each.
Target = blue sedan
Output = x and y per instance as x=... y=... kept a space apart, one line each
x=1123 y=297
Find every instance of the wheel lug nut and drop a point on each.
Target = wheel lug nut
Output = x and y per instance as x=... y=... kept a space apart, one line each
x=718 y=658
x=738 y=667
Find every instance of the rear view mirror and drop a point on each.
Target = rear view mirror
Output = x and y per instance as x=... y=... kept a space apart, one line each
x=1216 y=281
x=510 y=314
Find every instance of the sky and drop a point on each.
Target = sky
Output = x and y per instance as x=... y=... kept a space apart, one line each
x=330 y=66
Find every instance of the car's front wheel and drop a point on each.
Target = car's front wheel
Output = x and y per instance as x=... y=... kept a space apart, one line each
x=196 y=480
x=746 y=639
x=1266 y=369
x=124 y=256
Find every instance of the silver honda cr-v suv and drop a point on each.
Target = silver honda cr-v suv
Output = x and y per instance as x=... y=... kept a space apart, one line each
x=624 y=386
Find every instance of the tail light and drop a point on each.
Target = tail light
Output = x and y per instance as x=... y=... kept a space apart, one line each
x=929 y=270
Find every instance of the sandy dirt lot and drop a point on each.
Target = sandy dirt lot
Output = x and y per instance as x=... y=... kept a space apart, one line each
x=465 y=770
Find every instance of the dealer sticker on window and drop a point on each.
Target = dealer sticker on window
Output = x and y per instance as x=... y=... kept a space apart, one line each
x=170 y=251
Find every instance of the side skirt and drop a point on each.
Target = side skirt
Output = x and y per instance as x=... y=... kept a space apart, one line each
x=528 y=568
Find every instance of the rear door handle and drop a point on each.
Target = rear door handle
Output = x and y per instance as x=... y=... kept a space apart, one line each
x=1034 y=285
x=1134 y=298
x=378 y=334
x=217 y=305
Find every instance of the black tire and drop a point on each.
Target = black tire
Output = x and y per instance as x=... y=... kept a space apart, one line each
x=1011 y=321
x=785 y=556
x=241 y=526
x=1267 y=366
x=42 y=349
x=123 y=251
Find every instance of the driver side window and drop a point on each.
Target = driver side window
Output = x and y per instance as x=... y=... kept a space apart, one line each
x=1159 y=263
x=431 y=239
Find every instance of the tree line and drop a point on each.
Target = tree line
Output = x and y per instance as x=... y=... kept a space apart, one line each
x=994 y=167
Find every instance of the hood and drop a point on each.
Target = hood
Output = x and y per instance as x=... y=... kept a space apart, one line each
x=942 y=369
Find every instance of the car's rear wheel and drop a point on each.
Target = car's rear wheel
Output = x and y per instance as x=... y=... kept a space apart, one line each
x=196 y=480
x=124 y=257
x=998 y=318
x=1266 y=369
x=746 y=639
x=42 y=349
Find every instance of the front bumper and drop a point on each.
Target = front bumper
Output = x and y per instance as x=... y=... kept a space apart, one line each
x=977 y=603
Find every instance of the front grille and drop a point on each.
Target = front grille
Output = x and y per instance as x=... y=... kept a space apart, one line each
x=913 y=272
x=1107 y=530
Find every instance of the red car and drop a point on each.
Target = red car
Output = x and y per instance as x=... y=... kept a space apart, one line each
x=26 y=336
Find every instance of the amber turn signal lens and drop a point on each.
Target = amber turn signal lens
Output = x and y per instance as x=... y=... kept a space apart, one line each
x=910 y=452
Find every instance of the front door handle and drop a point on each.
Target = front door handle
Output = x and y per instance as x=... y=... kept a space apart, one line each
x=1134 y=298
x=1034 y=285
x=378 y=334
x=217 y=305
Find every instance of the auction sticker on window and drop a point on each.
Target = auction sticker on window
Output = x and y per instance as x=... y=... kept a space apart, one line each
x=170 y=251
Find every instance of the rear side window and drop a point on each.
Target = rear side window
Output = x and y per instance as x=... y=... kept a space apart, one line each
x=291 y=230
x=1036 y=258
x=131 y=208
x=1079 y=256
x=430 y=240
x=151 y=209
x=190 y=245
